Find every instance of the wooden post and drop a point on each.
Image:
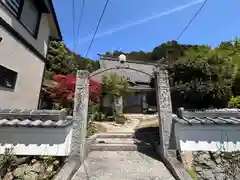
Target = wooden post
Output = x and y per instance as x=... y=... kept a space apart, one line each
x=80 y=114
x=164 y=106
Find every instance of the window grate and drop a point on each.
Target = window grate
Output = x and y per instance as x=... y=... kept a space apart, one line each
x=14 y=5
x=8 y=77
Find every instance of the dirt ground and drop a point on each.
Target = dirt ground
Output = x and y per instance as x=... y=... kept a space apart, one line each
x=133 y=122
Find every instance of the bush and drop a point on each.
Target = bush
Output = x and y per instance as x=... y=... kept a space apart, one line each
x=91 y=128
x=201 y=80
x=234 y=102
x=120 y=119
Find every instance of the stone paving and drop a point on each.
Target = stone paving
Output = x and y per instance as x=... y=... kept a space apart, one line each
x=121 y=165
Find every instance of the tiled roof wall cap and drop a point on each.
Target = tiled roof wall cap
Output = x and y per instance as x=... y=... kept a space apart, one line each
x=22 y=121
x=209 y=116
x=35 y=123
x=227 y=112
x=33 y=114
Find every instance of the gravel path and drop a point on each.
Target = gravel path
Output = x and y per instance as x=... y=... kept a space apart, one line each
x=121 y=165
x=135 y=121
x=112 y=127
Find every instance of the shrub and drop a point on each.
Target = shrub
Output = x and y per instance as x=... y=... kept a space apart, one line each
x=234 y=102
x=120 y=119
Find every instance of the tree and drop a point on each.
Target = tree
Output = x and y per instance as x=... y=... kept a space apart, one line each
x=62 y=90
x=171 y=50
x=232 y=49
x=201 y=79
x=60 y=60
x=114 y=87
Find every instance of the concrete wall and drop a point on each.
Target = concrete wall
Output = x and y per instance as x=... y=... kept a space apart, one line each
x=30 y=71
x=41 y=42
x=208 y=137
x=17 y=57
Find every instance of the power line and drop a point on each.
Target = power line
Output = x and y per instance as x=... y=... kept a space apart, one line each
x=104 y=9
x=79 y=25
x=189 y=23
x=73 y=18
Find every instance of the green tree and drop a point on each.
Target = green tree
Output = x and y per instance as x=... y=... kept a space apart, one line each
x=232 y=49
x=201 y=79
x=59 y=60
x=114 y=87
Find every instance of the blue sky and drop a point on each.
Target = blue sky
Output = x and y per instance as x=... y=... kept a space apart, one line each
x=134 y=25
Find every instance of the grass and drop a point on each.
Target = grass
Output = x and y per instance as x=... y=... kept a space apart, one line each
x=192 y=173
x=100 y=128
x=121 y=119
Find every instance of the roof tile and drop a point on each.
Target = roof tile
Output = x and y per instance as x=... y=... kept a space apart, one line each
x=34 y=118
x=209 y=116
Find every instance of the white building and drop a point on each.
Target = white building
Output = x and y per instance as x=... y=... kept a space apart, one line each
x=139 y=74
x=25 y=29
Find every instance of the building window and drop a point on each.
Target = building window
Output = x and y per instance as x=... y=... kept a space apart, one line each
x=14 y=6
x=8 y=77
x=30 y=16
x=27 y=12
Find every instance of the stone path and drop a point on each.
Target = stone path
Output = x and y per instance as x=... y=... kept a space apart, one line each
x=135 y=121
x=121 y=165
x=122 y=157
x=113 y=127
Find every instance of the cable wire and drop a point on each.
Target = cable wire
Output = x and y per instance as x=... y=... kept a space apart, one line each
x=189 y=23
x=99 y=22
x=73 y=18
x=79 y=25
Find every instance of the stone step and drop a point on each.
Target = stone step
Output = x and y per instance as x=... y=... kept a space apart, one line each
x=114 y=147
x=115 y=141
x=115 y=135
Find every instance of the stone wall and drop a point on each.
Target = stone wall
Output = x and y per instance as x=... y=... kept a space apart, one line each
x=216 y=165
x=29 y=167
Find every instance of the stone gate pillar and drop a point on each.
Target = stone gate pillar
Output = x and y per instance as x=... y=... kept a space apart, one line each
x=80 y=114
x=164 y=105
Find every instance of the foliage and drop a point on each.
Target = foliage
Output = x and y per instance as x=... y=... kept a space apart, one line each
x=201 y=78
x=93 y=115
x=114 y=86
x=60 y=60
x=91 y=128
x=192 y=173
x=140 y=55
x=62 y=90
x=66 y=88
x=121 y=119
x=234 y=102
x=94 y=112
x=232 y=49
x=6 y=158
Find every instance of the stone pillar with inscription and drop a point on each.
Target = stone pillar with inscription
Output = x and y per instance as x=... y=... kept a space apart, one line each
x=80 y=115
x=164 y=106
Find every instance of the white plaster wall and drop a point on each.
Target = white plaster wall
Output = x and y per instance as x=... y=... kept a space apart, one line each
x=36 y=141
x=15 y=56
x=29 y=67
x=208 y=137
x=41 y=42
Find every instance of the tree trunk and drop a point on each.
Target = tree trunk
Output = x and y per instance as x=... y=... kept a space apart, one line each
x=114 y=108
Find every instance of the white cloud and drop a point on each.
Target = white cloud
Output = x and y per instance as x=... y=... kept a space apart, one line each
x=138 y=22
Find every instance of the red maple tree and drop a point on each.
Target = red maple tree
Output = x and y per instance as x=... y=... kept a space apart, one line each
x=64 y=91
